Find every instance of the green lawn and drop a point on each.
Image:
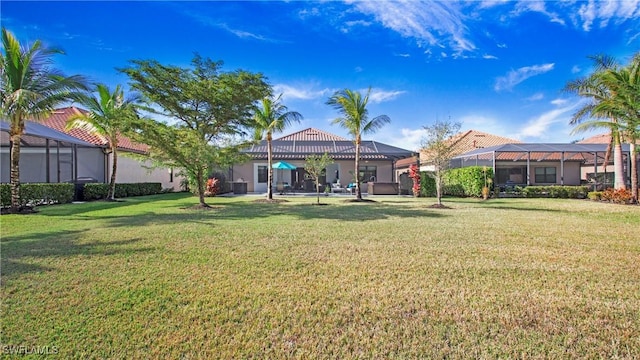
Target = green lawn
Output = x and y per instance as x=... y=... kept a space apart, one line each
x=150 y=278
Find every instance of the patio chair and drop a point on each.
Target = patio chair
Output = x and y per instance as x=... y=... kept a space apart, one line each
x=280 y=188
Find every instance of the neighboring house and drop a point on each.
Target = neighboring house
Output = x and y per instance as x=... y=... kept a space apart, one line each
x=536 y=164
x=377 y=161
x=604 y=172
x=48 y=155
x=468 y=141
x=92 y=161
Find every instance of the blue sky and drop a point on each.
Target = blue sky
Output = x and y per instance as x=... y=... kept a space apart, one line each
x=493 y=66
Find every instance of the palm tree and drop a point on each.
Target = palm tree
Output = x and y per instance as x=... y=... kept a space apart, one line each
x=594 y=115
x=109 y=115
x=272 y=118
x=355 y=119
x=30 y=89
x=625 y=105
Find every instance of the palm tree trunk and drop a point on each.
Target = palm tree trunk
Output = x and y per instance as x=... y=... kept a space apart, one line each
x=270 y=165
x=634 y=170
x=112 y=183
x=618 y=165
x=15 y=172
x=357 y=170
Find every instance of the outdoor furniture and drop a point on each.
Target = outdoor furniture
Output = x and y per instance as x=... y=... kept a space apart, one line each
x=283 y=187
x=336 y=188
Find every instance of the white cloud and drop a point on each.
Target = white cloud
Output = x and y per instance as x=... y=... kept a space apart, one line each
x=402 y=55
x=515 y=77
x=575 y=69
x=535 y=97
x=489 y=57
x=559 y=102
x=410 y=139
x=378 y=95
x=301 y=93
x=538 y=6
x=430 y=23
x=540 y=126
x=358 y=69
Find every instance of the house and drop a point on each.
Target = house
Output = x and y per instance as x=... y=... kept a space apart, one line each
x=80 y=155
x=603 y=171
x=467 y=141
x=536 y=164
x=377 y=161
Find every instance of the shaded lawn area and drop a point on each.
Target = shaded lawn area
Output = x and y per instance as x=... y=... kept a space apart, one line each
x=149 y=278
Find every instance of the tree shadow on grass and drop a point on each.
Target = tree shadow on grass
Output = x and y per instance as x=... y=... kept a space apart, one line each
x=20 y=254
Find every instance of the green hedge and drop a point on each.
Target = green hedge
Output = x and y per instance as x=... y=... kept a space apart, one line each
x=556 y=191
x=38 y=194
x=427 y=185
x=99 y=191
x=467 y=181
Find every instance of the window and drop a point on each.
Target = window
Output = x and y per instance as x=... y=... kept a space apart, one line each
x=368 y=173
x=263 y=174
x=545 y=175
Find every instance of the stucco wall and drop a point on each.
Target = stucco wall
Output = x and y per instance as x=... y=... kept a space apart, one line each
x=132 y=170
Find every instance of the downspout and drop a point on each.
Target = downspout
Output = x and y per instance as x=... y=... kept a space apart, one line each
x=58 y=158
x=562 y=168
x=74 y=159
x=48 y=162
x=595 y=171
x=528 y=168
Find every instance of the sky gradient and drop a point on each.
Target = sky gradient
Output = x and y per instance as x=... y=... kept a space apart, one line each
x=494 y=66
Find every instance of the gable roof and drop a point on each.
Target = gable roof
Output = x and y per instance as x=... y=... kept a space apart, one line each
x=58 y=121
x=312 y=134
x=474 y=139
x=303 y=143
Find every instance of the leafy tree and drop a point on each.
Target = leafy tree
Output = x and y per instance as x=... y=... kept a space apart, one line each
x=315 y=166
x=598 y=112
x=355 y=119
x=30 y=89
x=208 y=107
x=439 y=151
x=273 y=117
x=110 y=114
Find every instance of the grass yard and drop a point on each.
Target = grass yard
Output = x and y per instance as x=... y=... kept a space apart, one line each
x=148 y=278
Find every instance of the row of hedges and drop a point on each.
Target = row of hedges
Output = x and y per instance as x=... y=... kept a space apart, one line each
x=100 y=191
x=38 y=194
x=556 y=191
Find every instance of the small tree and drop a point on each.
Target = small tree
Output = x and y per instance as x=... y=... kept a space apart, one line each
x=315 y=165
x=439 y=151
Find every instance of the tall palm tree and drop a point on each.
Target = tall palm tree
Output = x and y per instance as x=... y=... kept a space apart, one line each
x=592 y=116
x=624 y=83
x=272 y=118
x=30 y=89
x=109 y=115
x=355 y=119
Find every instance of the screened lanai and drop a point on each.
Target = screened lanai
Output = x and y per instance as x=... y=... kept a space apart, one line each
x=544 y=164
x=50 y=156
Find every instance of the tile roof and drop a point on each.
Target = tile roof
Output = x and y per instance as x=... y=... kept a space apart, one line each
x=597 y=139
x=58 y=121
x=301 y=144
x=311 y=134
x=474 y=139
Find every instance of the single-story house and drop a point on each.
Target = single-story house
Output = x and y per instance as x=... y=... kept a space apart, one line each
x=538 y=164
x=377 y=162
x=76 y=154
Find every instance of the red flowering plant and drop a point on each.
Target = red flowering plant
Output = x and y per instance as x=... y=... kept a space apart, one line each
x=213 y=187
x=414 y=174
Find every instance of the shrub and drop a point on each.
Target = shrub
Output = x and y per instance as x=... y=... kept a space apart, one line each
x=556 y=191
x=467 y=181
x=595 y=195
x=213 y=187
x=100 y=191
x=619 y=196
x=427 y=185
x=39 y=194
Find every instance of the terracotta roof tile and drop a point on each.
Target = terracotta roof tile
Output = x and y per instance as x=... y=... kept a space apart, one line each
x=58 y=121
